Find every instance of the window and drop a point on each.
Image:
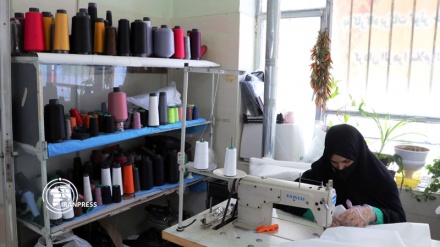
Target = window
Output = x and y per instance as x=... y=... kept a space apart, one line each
x=386 y=52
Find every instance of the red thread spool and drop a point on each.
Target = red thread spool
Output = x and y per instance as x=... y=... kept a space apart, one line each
x=179 y=48
x=34 y=31
x=128 y=181
x=74 y=113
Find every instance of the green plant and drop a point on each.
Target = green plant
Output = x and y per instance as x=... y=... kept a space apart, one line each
x=384 y=125
x=429 y=192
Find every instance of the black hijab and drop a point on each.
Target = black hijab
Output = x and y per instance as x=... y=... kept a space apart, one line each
x=369 y=181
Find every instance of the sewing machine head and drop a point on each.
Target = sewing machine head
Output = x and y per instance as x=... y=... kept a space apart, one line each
x=256 y=196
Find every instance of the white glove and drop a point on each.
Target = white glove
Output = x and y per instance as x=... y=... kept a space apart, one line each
x=359 y=216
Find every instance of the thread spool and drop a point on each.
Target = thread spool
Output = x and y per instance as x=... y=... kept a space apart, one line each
x=106 y=194
x=137 y=185
x=117 y=176
x=87 y=188
x=110 y=41
x=179 y=46
x=116 y=196
x=230 y=165
x=138 y=38
x=55 y=214
x=72 y=121
x=47 y=21
x=196 y=40
x=153 y=111
x=163 y=112
x=158 y=170
x=153 y=31
x=128 y=182
x=106 y=175
x=93 y=126
x=33 y=31
x=117 y=106
x=67 y=206
x=68 y=129
x=195 y=112
x=146 y=173
x=93 y=13
x=123 y=42
x=171 y=115
x=149 y=34
x=61 y=37
x=28 y=196
x=187 y=46
x=85 y=119
x=104 y=107
x=144 y=117
x=129 y=121
x=136 y=124
x=97 y=192
x=75 y=113
x=96 y=161
x=99 y=36
x=163 y=42
x=78 y=209
x=87 y=169
x=109 y=126
x=54 y=125
x=201 y=156
x=120 y=158
x=172 y=168
x=180 y=112
x=109 y=18
x=77 y=173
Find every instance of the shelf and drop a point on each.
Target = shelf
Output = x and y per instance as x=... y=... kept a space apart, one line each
x=74 y=59
x=69 y=146
x=113 y=208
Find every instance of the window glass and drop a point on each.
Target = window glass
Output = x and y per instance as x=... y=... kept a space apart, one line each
x=287 y=5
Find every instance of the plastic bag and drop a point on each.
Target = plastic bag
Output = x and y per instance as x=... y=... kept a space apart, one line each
x=143 y=100
x=69 y=239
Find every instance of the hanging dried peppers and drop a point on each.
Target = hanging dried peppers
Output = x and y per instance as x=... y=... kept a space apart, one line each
x=320 y=78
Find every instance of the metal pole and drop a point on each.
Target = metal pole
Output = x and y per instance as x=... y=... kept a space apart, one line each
x=181 y=155
x=271 y=76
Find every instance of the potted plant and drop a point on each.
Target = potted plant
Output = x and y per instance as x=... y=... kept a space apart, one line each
x=434 y=186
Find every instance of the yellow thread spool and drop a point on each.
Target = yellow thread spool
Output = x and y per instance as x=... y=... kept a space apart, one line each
x=99 y=36
x=61 y=38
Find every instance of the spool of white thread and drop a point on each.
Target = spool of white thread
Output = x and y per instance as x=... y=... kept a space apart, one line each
x=106 y=177
x=201 y=157
x=117 y=176
x=230 y=165
x=67 y=208
x=87 y=189
x=153 y=111
x=55 y=209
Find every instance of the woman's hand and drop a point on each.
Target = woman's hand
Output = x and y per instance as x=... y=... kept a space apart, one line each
x=359 y=216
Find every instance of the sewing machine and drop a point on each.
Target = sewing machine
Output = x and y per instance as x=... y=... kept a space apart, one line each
x=256 y=196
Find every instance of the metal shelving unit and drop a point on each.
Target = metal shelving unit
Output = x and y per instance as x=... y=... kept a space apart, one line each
x=31 y=78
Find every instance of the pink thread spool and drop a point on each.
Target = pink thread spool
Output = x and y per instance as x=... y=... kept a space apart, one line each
x=117 y=107
x=179 y=49
x=33 y=31
x=136 y=124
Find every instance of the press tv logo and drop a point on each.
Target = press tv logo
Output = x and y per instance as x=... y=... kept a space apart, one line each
x=61 y=196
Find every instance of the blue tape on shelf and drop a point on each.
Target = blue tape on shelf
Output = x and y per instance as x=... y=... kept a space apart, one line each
x=70 y=146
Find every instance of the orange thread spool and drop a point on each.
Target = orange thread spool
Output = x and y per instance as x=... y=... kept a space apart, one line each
x=99 y=36
x=72 y=123
x=47 y=22
x=128 y=181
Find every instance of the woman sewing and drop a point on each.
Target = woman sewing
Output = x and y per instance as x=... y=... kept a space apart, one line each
x=363 y=185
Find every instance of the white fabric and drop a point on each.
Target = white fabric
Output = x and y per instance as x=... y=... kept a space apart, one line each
x=316 y=148
x=285 y=170
x=396 y=235
x=143 y=100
